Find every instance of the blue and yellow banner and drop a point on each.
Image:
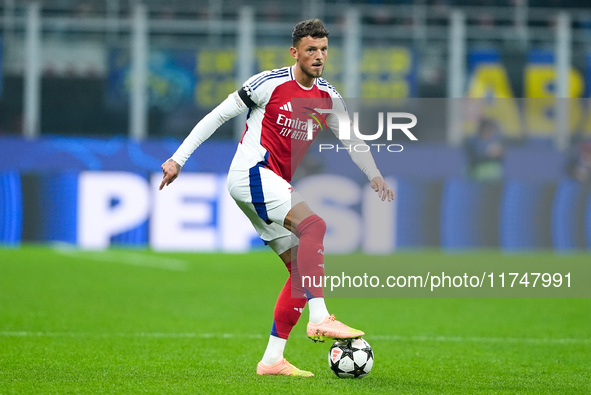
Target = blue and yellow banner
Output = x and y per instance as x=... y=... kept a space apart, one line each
x=530 y=111
x=171 y=78
x=204 y=78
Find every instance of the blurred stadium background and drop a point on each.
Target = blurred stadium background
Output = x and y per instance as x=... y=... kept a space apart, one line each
x=95 y=95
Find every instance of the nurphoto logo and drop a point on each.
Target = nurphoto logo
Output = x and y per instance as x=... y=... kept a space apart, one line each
x=344 y=132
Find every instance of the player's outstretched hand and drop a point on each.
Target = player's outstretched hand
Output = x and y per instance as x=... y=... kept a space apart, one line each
x=379 y=185
x=171 y=171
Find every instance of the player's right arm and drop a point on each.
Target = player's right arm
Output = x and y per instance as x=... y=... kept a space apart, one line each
x=171 y=171
x=236 y=103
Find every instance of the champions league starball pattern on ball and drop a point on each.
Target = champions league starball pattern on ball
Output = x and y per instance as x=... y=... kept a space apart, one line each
x=350 y=358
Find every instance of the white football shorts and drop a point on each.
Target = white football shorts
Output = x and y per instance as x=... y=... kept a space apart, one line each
x=265 y=198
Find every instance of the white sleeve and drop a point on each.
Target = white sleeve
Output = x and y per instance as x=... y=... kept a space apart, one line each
x=229 y=108
x=359 y=151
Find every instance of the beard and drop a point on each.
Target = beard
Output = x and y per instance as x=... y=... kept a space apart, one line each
x=312 y=73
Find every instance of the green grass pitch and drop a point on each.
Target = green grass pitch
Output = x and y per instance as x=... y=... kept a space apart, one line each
x=130 y=321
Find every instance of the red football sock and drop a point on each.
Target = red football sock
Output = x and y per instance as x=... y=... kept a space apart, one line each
x=288 y=309
x=311 y=254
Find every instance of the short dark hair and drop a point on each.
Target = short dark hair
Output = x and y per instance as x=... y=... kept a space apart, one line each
x=310 y=27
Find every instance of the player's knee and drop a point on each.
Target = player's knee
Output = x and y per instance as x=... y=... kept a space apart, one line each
x=320 y=226
x=312 y=225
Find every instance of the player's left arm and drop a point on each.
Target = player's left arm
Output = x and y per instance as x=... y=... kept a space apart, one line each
x=363 y=158
x=384 y=192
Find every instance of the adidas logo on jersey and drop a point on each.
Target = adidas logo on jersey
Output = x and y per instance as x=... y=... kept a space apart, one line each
x=286 y=107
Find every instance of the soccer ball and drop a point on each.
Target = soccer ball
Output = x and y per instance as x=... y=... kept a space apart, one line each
x=351 y=358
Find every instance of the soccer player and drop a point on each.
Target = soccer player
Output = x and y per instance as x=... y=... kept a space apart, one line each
x=259 y=177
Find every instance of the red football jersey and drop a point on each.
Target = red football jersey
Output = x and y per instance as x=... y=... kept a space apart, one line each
x=276 y=134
